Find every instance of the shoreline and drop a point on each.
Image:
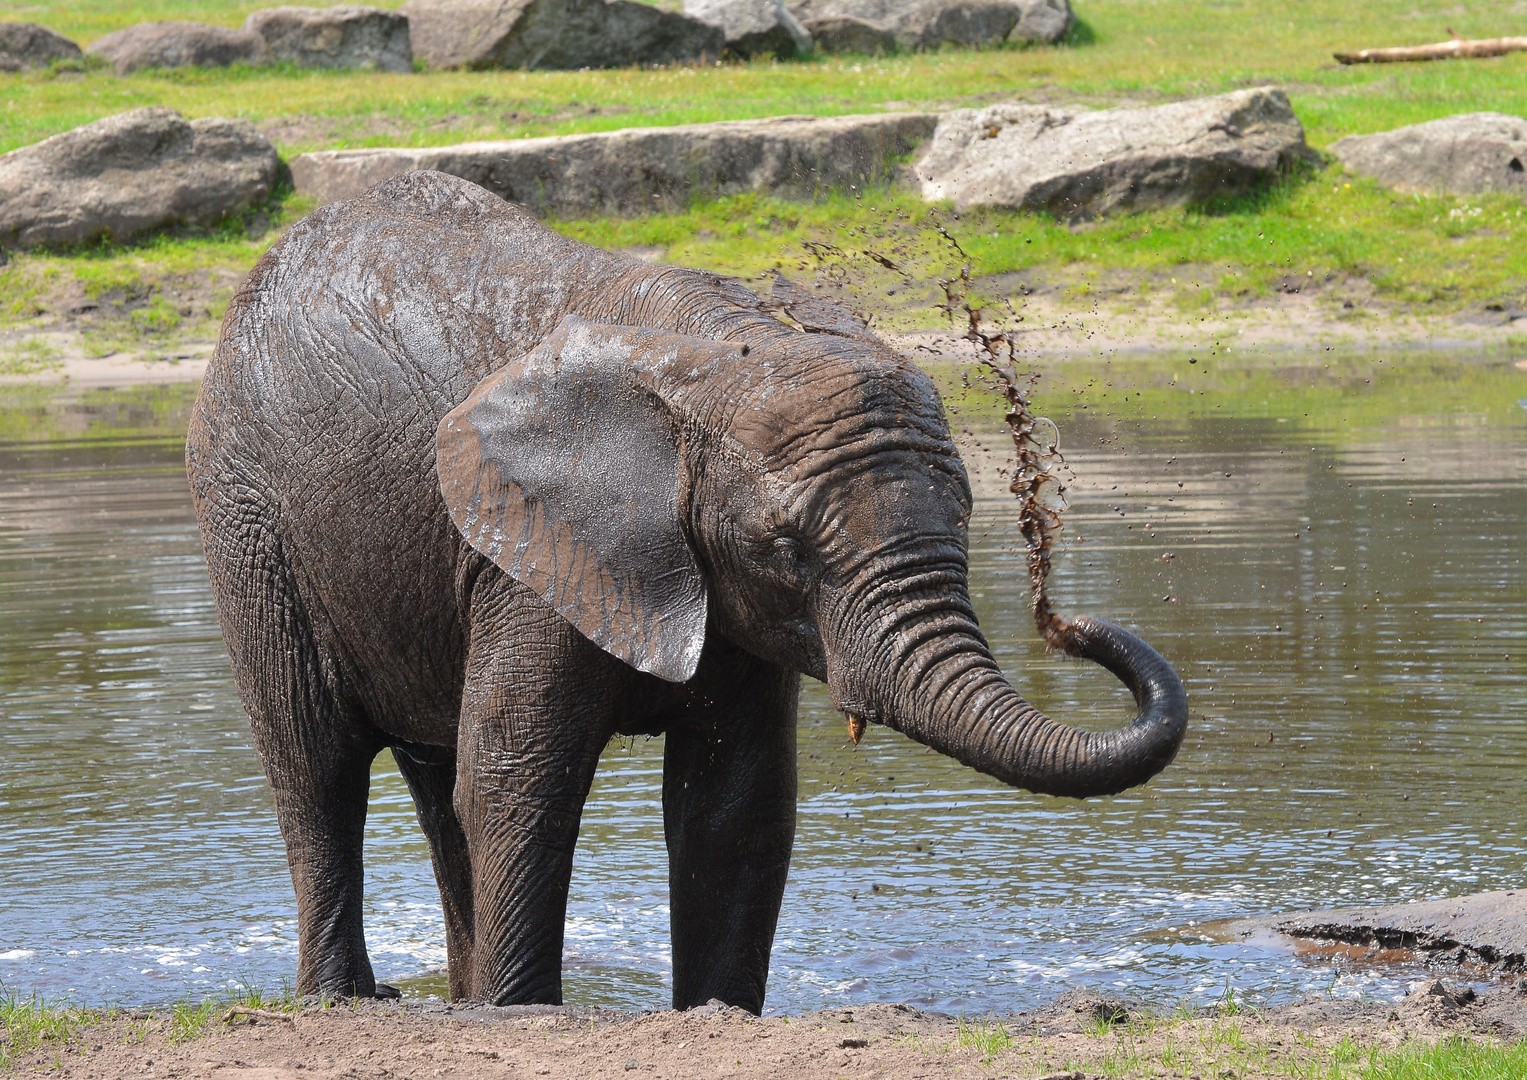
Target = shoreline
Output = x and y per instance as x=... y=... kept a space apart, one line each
x=1076 y=1036
x=1046 y=333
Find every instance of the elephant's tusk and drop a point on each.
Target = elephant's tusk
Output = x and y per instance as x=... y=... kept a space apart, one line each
x=856 y=728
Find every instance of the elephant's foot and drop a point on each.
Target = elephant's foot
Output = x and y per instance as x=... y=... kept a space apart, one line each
x=384 y=992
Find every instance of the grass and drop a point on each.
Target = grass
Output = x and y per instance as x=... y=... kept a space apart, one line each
x=32 y=1024
x=28 y=357
x=1413 y=254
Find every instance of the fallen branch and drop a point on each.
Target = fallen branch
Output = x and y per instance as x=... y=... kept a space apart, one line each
x=1457 y=49
x=256 y=1014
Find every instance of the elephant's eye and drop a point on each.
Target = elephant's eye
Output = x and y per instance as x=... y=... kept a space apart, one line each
x=789 y=549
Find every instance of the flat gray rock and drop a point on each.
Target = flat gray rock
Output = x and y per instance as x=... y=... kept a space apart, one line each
x=178 y=44
x=640 y=170
x=1076 y=164
x=555 y=34
x=927 y=24
x=1487 y=929
x=846 y=34
x=1469 y=154
x=346 y=36
x=27 y=45
x=130 y=173
x=754 y=27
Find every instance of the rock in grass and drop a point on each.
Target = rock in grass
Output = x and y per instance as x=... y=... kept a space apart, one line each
x=754 y=27
x=178 y=44
x=1469 y=154
x=130 y=173
x=1077 y=164
x=27 y=45
x=641 y=170
x=347 y=36
x=846 y=34
x=565 y=34
x=927 y=24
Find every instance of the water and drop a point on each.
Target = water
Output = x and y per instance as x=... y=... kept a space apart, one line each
x=1347 y=584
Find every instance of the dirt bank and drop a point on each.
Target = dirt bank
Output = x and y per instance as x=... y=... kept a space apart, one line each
x=1077 y=1036
x=1481 y=934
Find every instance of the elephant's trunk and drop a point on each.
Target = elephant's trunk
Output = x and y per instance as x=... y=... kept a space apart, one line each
x=945 y=691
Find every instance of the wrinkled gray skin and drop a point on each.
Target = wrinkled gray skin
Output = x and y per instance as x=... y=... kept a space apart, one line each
x=654 y=507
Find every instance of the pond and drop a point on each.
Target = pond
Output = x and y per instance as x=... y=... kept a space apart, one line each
x=1345 y=598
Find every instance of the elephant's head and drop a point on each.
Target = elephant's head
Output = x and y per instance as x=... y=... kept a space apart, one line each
x=800 y=495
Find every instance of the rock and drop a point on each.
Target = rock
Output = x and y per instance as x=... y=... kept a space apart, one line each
x=178 y=44
x=129 y=173
x=1468 y=154
x=347 y=36
x=566 y=34
x=639 y=170
x=27 y=45
x=846 y=34
x=1486 y=929
x=927 y=24
x=1077 y=164
x=754 y=27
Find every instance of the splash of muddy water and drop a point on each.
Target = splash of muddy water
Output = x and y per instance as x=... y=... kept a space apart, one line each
x=1039 y=470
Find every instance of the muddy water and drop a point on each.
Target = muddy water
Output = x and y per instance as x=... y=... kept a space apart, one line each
x=1346 y=599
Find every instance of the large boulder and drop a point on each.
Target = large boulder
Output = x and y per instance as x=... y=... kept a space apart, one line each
x=565 y=34
x=27 y=45
x=1467 y=154
x=178 y=44
x=1077 y=164
x=754 y=27
x=927 y=24
x=641 y=170
x=347 y=36
x=129 y=173
x=845 y=34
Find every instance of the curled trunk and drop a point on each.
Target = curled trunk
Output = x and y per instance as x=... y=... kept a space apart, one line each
x=948 y=693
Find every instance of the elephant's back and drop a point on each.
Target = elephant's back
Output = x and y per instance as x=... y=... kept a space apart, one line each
x=338 y=356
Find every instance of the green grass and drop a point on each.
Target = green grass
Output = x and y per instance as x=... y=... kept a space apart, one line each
x=30 y=1024
x=27 y=1023
x=1450 y=1059
x=1426 y=255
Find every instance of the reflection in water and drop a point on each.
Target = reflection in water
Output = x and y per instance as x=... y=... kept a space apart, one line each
x=1341 y=602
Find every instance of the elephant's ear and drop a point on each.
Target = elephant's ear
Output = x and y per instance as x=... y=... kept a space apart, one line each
x=566 y=469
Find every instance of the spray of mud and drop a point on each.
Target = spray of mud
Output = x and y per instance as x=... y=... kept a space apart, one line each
x=1039 y=470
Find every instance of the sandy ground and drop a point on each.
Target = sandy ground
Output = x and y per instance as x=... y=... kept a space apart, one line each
x=1125 y=316
x=1071 y=1039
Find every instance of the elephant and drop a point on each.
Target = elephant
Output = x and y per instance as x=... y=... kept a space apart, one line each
x=486 y=496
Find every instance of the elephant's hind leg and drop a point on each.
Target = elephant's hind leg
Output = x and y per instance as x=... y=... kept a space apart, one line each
x=729 y=818
x=316 y=747
x=432 y=782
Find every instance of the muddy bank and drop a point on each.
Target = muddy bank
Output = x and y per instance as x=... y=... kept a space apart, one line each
x=1484 y=934
x=1075 y=1037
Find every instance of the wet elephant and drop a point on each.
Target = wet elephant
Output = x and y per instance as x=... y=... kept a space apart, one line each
x=487 y=496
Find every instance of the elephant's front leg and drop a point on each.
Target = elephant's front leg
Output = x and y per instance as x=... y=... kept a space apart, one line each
x=729 y=815
x=536 y=713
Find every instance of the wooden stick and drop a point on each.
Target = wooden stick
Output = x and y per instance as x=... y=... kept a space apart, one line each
x=1457 y=49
